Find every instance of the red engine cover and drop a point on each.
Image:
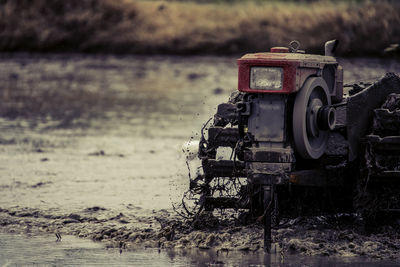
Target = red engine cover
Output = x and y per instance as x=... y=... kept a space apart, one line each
x=267 y=60
x=288 y=61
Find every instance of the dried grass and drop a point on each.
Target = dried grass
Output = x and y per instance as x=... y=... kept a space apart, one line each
x=127 y=26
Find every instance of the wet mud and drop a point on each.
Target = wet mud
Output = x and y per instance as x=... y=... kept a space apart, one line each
x=341 y=235
x=112 y=171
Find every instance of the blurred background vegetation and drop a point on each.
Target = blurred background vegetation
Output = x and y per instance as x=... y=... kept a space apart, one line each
x=196 y=26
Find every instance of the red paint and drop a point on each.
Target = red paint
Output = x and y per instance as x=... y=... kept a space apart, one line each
x=279 y=50
x=268 y=60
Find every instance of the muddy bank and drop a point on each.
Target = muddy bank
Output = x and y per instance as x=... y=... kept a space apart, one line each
x=339 y=235
x=111 y=171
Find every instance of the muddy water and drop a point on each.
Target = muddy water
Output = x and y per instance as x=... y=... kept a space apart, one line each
x=128 y=153
x=101 y=157
x=21 y=250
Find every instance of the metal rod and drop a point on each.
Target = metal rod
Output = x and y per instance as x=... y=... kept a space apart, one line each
x=343 y=103
x=267 y=217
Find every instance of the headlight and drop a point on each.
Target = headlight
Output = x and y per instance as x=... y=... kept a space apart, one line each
x=266 y=78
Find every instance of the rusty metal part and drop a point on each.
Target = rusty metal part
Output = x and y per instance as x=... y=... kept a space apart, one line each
x=278 y=155
x=218 y=136
x=269 y=168
x=223 y=168
x=226 y=113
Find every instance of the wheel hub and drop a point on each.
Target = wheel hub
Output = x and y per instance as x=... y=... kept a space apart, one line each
x=312 y=117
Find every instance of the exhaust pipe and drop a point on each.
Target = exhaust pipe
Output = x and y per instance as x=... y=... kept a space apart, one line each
x=330 y=47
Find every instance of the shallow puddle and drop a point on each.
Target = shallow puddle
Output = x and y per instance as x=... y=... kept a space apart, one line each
x=22 y=250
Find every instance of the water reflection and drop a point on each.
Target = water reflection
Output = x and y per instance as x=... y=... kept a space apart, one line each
x=20 y=250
